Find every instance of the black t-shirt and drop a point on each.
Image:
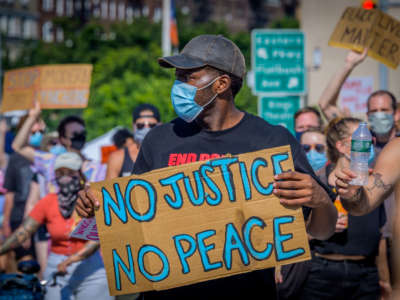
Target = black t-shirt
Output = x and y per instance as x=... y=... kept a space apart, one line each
x=361 y=236
x=177 y=143
x=18 y=178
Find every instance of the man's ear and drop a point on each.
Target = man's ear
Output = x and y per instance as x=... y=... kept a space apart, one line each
x=223 y=84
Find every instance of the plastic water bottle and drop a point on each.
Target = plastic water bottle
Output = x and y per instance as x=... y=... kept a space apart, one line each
x=361 y=142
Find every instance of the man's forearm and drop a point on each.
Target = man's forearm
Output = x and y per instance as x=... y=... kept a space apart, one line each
x=356 y=205
x=323 y=218
x=368 y=197
x=322 y=222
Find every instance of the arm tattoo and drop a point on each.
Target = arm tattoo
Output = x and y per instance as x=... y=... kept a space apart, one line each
x=379 y=184
x=20 y=235
x=357 y=203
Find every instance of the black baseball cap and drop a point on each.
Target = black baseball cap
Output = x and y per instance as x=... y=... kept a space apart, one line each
x=208 y=50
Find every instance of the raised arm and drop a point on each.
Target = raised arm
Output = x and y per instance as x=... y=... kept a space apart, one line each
x=19 y=143
x=28 y=227
x=89 y=248
x=328 y=100
x=361 y=200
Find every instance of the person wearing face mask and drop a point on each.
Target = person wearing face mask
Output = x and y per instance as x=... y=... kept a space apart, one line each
x=314 y=144
x=306 y=118
x=210 y=71
x=120 y=163
x=346 y=265
x=79 y=261
x=22 y=187
x=381 y=115
x=71 y=135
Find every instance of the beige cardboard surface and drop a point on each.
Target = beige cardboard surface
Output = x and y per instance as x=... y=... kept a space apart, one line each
x=373 y=29
x=155 y=245
x=54 y=86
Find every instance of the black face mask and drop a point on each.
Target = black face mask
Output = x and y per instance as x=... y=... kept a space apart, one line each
x=78 y=140
x=67 y=194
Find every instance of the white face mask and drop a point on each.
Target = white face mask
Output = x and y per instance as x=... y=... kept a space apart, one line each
x=381 y=123
x=140 y=134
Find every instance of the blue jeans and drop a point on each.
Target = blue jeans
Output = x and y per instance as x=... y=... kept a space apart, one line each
x=85 y=279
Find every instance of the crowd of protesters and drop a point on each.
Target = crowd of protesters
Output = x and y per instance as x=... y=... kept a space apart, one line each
x=44 y=183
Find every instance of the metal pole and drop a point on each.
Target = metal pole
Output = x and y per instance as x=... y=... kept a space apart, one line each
x=383 y=70
x=166 y=25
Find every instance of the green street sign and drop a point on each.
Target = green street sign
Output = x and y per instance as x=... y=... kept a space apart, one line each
x=278 y=61
x=279 y=110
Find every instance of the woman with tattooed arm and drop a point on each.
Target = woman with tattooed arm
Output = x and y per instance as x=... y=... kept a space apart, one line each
x=79 y=261
x=383 y=180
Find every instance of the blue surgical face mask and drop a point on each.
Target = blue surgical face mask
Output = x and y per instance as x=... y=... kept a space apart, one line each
x=371 y=157
x=317 y=160
x=183 y=95
x=58 y=149
x=36 y=139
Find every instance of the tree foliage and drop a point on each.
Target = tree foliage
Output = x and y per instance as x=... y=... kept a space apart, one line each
x=126 y=72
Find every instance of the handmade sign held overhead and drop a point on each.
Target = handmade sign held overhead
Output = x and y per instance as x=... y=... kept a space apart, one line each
x=359 y=28
x=54 y=86
x=196 y=222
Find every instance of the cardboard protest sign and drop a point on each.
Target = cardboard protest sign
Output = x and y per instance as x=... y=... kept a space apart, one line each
x=359 y=28
x=354 y=94
x=54 y=86
x=196 y=222
x=86 y=230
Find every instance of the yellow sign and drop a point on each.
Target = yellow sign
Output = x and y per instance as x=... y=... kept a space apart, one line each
x=54 y=86
x=359 y=28
x=197 y=222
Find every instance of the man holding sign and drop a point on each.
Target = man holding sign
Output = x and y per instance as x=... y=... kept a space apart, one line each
x=209 y=72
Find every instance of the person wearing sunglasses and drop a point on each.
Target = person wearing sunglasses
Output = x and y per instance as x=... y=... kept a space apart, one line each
x=120 y=163
x=346 y=265
x=313 y=142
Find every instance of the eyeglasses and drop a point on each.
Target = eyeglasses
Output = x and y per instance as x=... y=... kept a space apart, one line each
x=142 y=125
x=318 y=147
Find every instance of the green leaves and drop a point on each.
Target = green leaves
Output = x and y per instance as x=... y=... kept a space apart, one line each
x=126 y=72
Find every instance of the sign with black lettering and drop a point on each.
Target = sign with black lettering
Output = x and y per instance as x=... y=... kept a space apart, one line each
x=359 y=28
x=196 y=222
